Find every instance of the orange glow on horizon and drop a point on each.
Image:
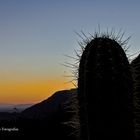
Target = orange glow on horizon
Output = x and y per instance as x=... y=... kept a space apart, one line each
x=31 y=91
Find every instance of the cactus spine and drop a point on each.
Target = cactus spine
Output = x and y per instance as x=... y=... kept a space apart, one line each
x=105 y=91
x=136 y=77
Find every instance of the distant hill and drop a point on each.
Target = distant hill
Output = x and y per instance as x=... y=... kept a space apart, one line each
x=13 y=107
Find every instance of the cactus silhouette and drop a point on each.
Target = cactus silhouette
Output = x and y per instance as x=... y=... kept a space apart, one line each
x=136 y=77
x=105 y=91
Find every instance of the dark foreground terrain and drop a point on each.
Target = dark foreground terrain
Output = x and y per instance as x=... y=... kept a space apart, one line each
x=43 y=120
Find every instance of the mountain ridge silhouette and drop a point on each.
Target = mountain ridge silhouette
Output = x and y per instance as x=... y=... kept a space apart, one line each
x=49 y=106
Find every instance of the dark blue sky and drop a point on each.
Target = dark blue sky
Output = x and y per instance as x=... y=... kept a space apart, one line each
x=35 y=34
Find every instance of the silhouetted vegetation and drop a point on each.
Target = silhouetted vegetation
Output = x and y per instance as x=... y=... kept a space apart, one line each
x=136 y=93
x=105 y=91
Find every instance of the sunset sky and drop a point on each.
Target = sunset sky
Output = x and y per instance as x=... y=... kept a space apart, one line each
x=35 y=36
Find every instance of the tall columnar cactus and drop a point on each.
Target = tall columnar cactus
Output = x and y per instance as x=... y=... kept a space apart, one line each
x=105 y=91
x=136 y=77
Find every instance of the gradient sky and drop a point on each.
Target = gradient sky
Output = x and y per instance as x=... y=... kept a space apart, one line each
x=35 y=35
